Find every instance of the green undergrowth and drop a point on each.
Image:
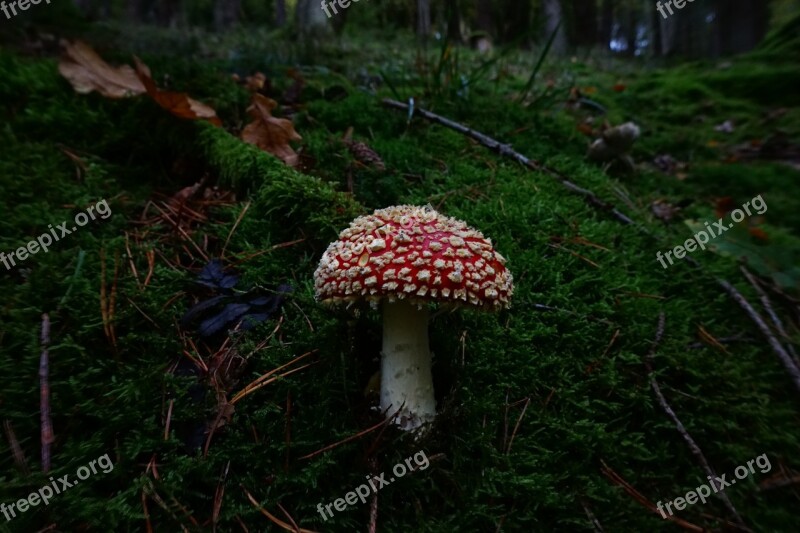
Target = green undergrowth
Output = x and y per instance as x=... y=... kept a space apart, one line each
x=533 y=400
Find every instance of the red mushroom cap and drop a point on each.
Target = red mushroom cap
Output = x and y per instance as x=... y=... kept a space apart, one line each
x=413 y=253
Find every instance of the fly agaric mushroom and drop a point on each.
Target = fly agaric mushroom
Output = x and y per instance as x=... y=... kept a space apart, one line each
x=407 y=257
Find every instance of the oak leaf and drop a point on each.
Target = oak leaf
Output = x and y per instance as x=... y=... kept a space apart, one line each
x=87 y=72
x=269 y=133
x=179 y=104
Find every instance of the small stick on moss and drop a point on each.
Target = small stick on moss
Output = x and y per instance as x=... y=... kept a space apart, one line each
x=775 y=483
x=16 y=449
x=288 y=431
x=352 y=437
x=592 y=518
x=150 y=490
x=373 y=503
x=169 y=419
x=636 y=495
x=693 y=447
x=233 y=229
x=44 y=394
x=776 y=321
x=266 y=379
x=516 y=426
x=130 y=260
x=785 y=358
x=275 y=520
x=148 y=525
x=507 y=151
x=288 y=517
x=505 y=420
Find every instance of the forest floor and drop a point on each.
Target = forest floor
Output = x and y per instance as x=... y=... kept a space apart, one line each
x=548 y=420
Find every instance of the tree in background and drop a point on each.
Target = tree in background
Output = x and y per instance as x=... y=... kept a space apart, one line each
x=702 y=28
x=310 y=18
x=226 y=13
x=423 y=18
x=280 y=13
x=553 y=17
x=585 y=24
x=741 y=24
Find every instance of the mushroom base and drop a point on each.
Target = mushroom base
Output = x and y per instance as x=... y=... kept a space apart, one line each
x=406 y=378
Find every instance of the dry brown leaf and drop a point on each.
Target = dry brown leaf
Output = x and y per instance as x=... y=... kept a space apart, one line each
x=179 y=104
x=269 y=133
x=87 y=72
x=255 y=82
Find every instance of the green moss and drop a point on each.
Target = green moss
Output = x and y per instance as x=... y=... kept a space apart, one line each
x=577 y=366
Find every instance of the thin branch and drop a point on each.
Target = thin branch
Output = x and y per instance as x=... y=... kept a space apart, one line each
x=592 y=518
x=16 y=449
x=373 y=513
x=516 y=426
x=776 y=321
x=275 y=520
x=693 y=447
x=44 y=395
x=233 y=229
x=219 y=493
x=507 y=151
x=636 y=495
x=351 y=437
x=785 y=358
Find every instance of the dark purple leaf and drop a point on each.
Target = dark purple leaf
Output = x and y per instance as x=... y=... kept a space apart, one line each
x=230 y=313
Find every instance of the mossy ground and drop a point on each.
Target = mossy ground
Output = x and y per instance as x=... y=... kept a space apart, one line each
x=580 y=364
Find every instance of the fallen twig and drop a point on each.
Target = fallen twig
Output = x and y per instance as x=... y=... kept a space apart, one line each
x=693 y=447
x=44 y=394
x=265 y=379
x=16 y=449
x=592 y=518
x=627 y=487
x=373 y=503
x=507 y=151
x=351 y=437
x=275 y=520
x=233 y=229
x=785 y=358
x=779 y=482
x=776 y=321
x=516 y=426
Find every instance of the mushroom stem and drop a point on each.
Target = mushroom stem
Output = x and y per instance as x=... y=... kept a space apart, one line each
x=406 y=377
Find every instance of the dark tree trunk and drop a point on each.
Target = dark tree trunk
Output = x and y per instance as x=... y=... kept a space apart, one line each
x=423 y=18
x=553 y=17
x=516 y=21
x=742 y=24
x=655 y=22
x=226 y=13
x=453 y=21
x=280 y=13
x=585 y=15
x=485 y=20
x=311 y=18
x=607 y=22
